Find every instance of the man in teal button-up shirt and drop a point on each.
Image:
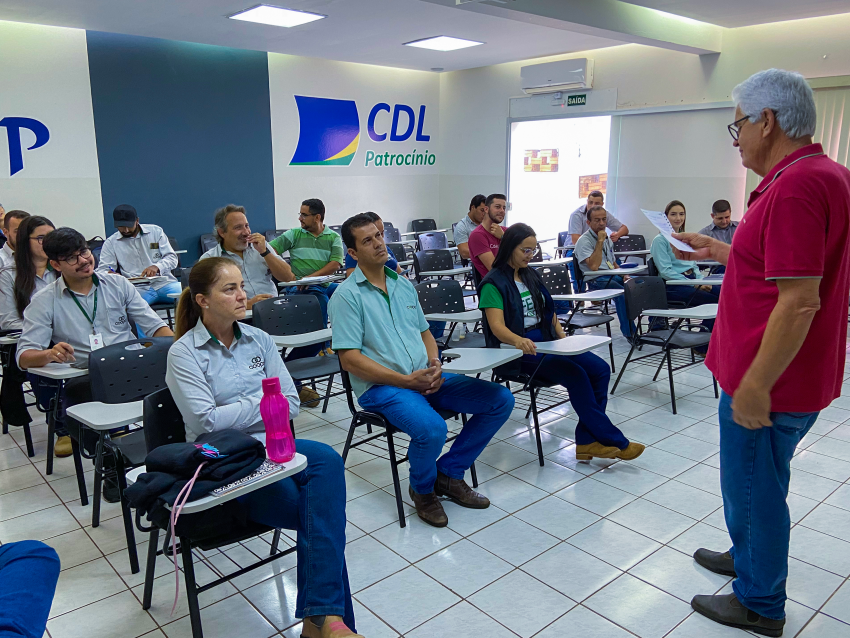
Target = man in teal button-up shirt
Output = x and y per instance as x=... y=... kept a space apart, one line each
x=383 y=342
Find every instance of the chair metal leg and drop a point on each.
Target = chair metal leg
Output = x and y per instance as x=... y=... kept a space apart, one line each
x=328 y=393
x=610 y=347
x=191 y=588
x=396 y=483
x=672 y=389
x=716 y=393
x=474 y=475
x=660 y=365
x=98 y=479
x=533 y=394
x=349 y=438
x=275 y=542
x=28 y=439
x=150 y=567
x=623 y=369
x=537 y=428
x=126 y=514
x=50 y=417
x=78 y=468
x=5 y=427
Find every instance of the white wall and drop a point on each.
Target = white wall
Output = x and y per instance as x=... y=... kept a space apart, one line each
x=474 y=103
x=61 y=179
x=397 y=193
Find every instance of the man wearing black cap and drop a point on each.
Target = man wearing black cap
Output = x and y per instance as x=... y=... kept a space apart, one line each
x=140 y=250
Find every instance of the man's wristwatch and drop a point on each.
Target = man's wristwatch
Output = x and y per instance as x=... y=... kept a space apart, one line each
x=268 y=250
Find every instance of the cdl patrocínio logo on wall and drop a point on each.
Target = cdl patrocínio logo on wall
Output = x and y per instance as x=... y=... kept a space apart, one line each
x=330 y=133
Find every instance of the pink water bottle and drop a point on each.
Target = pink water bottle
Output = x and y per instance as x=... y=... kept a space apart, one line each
x=274 y=410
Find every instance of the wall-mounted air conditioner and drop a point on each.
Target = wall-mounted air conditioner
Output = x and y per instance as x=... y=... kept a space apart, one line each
x=563 y=75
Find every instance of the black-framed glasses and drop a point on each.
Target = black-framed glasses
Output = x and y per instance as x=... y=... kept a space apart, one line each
x=39 y=238
x=307 y=214
x=735 y=127
x=74 y=259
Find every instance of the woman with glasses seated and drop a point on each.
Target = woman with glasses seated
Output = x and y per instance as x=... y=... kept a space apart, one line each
x=18 y=283
x=215 y=373
x=518 y=310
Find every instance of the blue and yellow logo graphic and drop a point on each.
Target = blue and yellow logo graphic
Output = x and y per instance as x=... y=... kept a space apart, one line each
x=330 y=132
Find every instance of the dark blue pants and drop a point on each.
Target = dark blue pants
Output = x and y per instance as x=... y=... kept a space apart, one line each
x=416 y=414
x=693 y=296
x=627 y=327
x=586 y=377
x=312 y=503
x=755 y=469
x=28 y=574
x=323 y=294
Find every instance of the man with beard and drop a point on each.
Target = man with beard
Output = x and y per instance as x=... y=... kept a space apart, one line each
x=140 y=250
x=484 y=241
x=257 y=260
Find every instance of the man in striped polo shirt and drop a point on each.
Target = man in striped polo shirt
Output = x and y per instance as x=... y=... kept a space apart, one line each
x=314 y=250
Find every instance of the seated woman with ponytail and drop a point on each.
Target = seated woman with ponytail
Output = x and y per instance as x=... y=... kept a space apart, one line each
x=215 y=372
x=18 y=283
x=520 y=311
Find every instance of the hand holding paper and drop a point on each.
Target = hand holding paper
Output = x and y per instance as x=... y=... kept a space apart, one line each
x=660 y=221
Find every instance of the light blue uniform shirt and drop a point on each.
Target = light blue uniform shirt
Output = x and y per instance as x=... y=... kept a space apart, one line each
x=255 y=271
x=9 y=317
x=53 y=315
x=387 y=328
x=131 y=255
x=217 y=388
x=669 y=267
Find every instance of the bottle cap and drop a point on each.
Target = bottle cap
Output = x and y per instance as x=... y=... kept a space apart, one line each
x=271 y=385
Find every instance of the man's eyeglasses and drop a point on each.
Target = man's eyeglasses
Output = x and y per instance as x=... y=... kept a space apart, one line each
x=39 y=238
x=74 y=259
x=735 y=127
x=307 y=214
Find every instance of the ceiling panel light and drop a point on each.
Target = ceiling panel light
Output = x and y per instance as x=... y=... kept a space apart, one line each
x=443 y=43
x=276 y=16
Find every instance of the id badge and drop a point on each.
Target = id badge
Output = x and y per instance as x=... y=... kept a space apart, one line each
x=611 y=266
x=154 y=245
x=96 y=341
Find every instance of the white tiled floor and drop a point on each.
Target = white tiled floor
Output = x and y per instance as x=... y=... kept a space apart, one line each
x=592 y=551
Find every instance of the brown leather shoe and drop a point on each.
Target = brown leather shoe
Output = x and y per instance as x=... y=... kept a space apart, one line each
x=309 y=397
x=459 y=492
x=631 y=452
x=429 y=508
x=62 y=447
x=595 y=449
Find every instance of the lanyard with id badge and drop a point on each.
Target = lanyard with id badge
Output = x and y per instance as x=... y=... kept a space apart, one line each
x=95 y=338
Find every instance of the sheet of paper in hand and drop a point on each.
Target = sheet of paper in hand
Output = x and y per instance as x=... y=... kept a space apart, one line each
x=660 y=221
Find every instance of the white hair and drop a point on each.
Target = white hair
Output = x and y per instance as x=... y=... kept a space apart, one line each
x=786 y=93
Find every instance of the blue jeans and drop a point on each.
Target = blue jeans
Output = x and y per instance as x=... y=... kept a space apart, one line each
x=323 y=294
x=585 y=376
x=28 y=571
x=152 y=296
x=415 y=414
x=755 y=468
x=312 y=502
x=627 y=326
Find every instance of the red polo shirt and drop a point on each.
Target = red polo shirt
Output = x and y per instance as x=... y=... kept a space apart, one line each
x=481 y=241
x=797 y=225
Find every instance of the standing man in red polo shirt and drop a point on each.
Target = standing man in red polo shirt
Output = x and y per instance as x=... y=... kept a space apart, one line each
x=778 y=346
x=484 y=241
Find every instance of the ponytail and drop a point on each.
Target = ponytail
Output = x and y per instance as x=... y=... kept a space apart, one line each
x=188 y=313
x=201 y=279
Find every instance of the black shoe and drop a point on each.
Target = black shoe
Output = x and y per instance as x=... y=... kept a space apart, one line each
x=727 y=610
x=111 y=494
x=716 y=562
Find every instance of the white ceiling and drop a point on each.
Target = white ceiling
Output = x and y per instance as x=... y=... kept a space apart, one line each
x=367 y=31
x=373 y=31
x=741 y=13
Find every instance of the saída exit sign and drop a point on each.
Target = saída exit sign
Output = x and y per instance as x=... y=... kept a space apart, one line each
x=577 y=100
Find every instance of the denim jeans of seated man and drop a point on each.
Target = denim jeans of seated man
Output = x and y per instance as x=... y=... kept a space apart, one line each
x=627 y=327
x=152 y=296
x=415 y=414
x=755 y=470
